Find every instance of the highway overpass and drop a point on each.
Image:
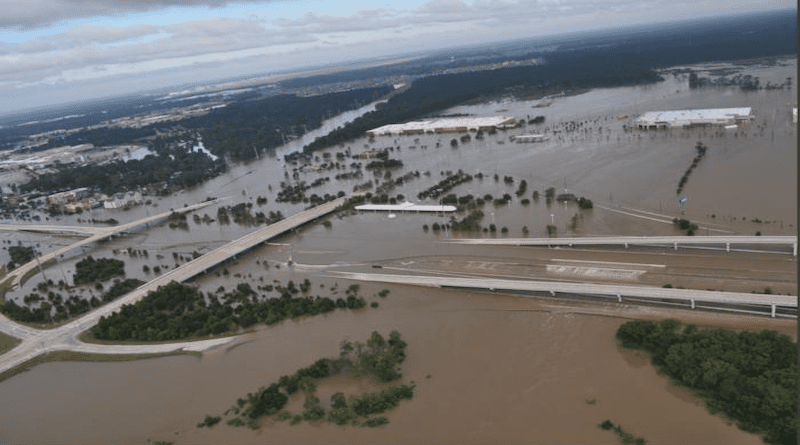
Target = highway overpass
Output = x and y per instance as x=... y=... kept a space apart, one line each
x=774 y=305
x=96 y=234
x=65 y=338
x=672 y=241
x=207 y=261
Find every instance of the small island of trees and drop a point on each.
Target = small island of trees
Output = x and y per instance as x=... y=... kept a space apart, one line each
x=378 y=359
x=90 y=270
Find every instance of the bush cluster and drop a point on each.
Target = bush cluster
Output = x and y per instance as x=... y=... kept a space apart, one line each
x=90 y=270
x=19 y=255
x=378 y=357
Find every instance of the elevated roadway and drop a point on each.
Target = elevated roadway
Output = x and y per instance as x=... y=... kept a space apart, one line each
x=672 y=241
x=65 y=338
x=688 y=297
x=96 y=234
x=59 y=230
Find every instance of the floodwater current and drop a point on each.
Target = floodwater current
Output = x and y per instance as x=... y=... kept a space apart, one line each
x=502 y=369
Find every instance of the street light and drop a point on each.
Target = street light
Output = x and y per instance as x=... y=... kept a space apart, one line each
x=552 y=219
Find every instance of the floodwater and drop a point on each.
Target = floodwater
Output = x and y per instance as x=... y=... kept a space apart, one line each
x=749 y=174
x=503 y=369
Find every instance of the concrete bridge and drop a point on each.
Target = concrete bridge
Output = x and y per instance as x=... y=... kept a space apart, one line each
x=96 y=234
x=672 y=241
x=726 y=301
x=59 y=230
x=65 y=338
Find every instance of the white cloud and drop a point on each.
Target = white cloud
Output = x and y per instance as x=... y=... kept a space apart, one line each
x=34 y=14
x=194 y=50
x=85 y=49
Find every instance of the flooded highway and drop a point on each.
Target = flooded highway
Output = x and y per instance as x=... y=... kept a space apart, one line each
x=502 y=368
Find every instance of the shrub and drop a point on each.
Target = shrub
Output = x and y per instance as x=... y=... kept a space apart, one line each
x=209 y=421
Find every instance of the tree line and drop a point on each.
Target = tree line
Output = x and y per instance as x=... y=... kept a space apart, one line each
x=750 y=377
x=240 y=131
x=178 y=311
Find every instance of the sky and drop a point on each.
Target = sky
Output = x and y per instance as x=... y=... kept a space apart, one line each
x=61 y=51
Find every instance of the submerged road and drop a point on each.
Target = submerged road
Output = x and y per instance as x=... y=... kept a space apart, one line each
x=688 y=297
x=65 y=338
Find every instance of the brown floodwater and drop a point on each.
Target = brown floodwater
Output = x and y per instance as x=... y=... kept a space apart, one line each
x=503 y=369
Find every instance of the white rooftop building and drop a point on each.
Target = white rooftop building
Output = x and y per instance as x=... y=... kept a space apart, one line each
x=684 y=118
x=446 y=125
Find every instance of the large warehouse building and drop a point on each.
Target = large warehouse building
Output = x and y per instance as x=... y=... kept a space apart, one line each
x=446 y=125
x=685 y=118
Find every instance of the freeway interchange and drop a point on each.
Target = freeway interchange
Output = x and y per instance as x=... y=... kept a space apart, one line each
x=35 y=342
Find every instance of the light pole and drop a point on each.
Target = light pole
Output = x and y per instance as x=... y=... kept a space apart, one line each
x=552 y=219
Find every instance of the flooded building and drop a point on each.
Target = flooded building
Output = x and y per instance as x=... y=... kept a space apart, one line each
x=446 y=125
x=685 y=118
x=121 y=200
x=68 y=196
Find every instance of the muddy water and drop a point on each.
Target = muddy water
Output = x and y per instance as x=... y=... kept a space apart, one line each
x=599 y=160
x=748 y=173
x=500 y=371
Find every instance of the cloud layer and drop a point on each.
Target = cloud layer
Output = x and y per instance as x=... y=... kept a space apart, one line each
x=227 y=46
x=33 y=14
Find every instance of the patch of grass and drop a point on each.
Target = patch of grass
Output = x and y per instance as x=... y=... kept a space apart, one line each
x=4 y=287
x=88 y=337
x=7 y=343
x=70 y=356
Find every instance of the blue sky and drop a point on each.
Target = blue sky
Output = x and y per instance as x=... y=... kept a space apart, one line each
x=55 y=51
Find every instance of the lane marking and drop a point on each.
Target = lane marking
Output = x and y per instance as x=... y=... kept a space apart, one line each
x=595 y=272
x=608 y=262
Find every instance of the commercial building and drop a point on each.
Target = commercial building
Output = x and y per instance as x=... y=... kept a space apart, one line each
x=446 y=125
x=68 y=196
x=121 y=200
x=685 y=118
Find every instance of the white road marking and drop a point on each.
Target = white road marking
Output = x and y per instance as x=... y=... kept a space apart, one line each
x=608 y=262
x=595 y=272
